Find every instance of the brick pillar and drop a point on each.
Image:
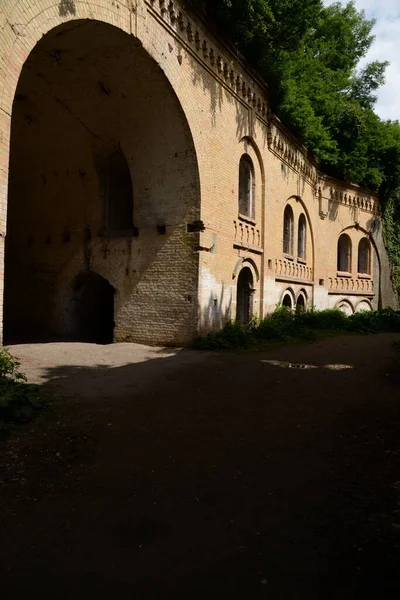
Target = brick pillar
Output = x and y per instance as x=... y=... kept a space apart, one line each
x=5 y=121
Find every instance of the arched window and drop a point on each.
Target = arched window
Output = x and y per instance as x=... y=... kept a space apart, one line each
x=301 y=304
x=364 y=257
x=119 y=193
x=288 y=231
x=246 y=187
x=287 y=301
x=344 y=254
x=302 y=238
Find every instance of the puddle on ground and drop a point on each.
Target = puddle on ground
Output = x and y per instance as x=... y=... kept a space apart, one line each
x=289 y=365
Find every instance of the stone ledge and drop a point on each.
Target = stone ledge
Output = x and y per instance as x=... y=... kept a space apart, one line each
x=248 y=248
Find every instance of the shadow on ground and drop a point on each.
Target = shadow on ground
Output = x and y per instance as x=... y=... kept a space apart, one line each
x=212 y=475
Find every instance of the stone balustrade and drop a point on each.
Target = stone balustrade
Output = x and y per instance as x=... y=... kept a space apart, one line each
x=247 y=234
x=289 y=268
x=348 y=284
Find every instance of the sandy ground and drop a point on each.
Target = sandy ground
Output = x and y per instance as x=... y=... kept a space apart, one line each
x=159 y=473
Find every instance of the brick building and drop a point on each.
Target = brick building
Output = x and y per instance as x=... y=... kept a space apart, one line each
x=146 y=190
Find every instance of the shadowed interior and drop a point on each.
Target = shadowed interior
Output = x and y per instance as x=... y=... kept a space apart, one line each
x=103 y=179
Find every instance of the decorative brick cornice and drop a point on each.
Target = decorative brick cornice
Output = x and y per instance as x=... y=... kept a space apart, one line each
x=223 y=64
x=352 y=196
x=285 y=146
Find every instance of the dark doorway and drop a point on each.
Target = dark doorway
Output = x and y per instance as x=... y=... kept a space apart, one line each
x=92 y=309
x=244 y=296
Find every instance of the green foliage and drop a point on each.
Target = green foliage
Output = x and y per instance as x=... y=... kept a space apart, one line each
x=324 y=320
x=381 y=321
x=9 y=367
x=391 y=220
x=18 y=399
x=286 y=326
x=233 y=335
x=309 y=54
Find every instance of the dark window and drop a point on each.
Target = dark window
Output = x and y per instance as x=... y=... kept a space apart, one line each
x=300 y=304
x=344 y=254
x=246 y=187
x=288 y=231
x=364 y=257
x=119 y=193
x=287 y=301
x=302 y=238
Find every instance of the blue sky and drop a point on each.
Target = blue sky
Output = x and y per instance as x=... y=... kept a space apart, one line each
x=385 y=47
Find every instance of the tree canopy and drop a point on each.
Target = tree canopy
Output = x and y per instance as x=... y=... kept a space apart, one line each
x=309 y=54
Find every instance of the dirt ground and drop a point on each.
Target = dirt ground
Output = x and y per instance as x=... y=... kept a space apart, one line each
x=160 y=473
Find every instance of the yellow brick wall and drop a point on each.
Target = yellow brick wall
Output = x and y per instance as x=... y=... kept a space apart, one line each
x=209 y=109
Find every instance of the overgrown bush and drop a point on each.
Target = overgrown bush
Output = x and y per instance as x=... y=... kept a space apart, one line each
x=18 y=399
x=285 y=326
x=324 y=320
x=386 y=320
x=282 y=325
x=232 y=335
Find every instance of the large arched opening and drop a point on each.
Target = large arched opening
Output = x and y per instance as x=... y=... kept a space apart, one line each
x=103 y=177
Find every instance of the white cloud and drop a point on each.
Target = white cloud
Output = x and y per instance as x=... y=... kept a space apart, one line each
x=385 y=47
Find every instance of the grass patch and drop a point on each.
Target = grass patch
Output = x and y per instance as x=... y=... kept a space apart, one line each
x=286 y=326
x=18 y=399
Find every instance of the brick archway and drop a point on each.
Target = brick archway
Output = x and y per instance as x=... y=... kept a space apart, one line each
x=87 y=92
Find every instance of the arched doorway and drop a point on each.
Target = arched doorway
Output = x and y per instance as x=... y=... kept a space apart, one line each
x=97 y=136
x=245 y=292
x=287 y=301
x=90 y=309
